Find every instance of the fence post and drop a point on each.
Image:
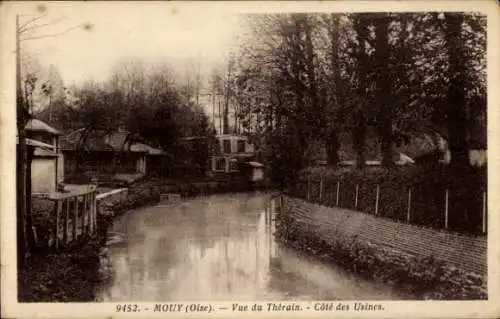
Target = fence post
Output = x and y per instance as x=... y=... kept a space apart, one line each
x=409 y=206
x=338 y=191
x=446 y=209
x=85 y=212
x=308 y=187
x=94 y=205
x=91 y=219
x=356 y=197
x=83 y=215
x=75 y=218
x=66 y=222
x=485 y=214
x=56 y=226
x=376 y=199
x=281 y=204
x=321 y=189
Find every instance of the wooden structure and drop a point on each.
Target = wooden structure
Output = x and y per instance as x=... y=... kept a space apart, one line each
x=74 y=217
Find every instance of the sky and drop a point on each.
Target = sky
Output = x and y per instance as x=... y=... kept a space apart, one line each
x=116 y=31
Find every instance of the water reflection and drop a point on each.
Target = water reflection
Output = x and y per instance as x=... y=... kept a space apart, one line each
x=219 y=248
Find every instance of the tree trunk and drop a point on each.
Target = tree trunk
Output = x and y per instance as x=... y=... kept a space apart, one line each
x=383 y=83
x=363 y=66
x=22 y=158
x=333 y=147
x=457 y=126
x=457 y=112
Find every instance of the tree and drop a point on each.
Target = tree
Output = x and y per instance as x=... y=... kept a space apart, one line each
x=24 y=33
x=383 y=86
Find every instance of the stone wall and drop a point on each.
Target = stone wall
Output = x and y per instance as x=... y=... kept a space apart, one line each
x=465 y=252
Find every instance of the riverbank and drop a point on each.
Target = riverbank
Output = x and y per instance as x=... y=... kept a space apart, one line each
x=75 y=274
x=352 y=241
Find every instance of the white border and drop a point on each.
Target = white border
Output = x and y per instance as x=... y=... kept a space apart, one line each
x=396 y=309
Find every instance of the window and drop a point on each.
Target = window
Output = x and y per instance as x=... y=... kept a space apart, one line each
x=241 y=146
x=220 y=164
x=226 y=146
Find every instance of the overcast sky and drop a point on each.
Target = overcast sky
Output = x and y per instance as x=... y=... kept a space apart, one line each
x=151 y=31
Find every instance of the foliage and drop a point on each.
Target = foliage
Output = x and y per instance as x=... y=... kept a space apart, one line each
x=323 y=74
x=428 y=186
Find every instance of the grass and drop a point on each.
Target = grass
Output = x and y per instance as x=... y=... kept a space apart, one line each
x=423 y=278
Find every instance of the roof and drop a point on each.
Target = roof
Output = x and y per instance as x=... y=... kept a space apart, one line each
x=234 y=136
x=140 y=147
x=35 y=125
x=111 y=142
x=255 y=164
x=36 y=143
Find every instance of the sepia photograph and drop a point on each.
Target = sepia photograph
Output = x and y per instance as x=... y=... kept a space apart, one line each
x=181 y=158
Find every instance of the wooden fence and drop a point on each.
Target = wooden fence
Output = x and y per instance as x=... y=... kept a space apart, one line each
x=411 y=204
x=75 y=217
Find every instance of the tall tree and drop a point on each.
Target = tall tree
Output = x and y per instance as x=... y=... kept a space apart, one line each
x=383 y=86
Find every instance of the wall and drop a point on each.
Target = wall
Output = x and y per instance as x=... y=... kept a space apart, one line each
x=43 y=177
x=465 y=252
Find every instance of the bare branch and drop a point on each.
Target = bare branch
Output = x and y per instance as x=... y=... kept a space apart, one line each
x=51 y=35
x=39 y=26
x=22 y=27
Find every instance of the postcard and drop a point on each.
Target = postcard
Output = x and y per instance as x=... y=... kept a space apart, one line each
x=331 y=159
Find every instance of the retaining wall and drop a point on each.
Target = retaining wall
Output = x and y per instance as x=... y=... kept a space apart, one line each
x=466 y=252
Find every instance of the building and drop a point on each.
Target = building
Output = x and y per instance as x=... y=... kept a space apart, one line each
x=231 y=149
x=97 y=154
x=47 y=162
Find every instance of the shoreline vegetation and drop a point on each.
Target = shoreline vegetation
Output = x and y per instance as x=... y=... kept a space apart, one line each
x=423 y=278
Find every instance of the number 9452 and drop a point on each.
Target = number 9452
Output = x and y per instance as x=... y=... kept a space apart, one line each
x=127 y=308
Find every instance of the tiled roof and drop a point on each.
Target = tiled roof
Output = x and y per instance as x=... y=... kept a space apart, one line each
x=97 y=141
x=36 y=125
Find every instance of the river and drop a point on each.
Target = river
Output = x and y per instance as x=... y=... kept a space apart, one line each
x=219 y=248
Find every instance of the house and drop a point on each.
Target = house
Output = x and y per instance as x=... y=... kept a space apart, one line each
x=47 y=162
x=231 y=149
x=104 y=154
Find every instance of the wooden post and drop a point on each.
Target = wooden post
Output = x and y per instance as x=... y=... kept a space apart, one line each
x=66 y=222
x=377 y=199
x=409 y=206
x=85 y=214
x=308 y=187
x=321 y=189
x=75 y=217
x=94 y=212
x=91 y=213
x=485 y=214
x=338 y=191
x=446 y=209
x=82 y=218
x=56 y=226
x=97 y=213
x=356 y=198
x=91 y=220
x=281 y=204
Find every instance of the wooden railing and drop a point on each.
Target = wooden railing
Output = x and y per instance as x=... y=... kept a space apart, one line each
x=75 y=216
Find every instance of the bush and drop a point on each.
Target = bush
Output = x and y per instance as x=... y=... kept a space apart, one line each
x=428 y=187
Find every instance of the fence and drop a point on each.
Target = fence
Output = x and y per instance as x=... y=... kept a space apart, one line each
x=74 y=217
x=428 y=204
